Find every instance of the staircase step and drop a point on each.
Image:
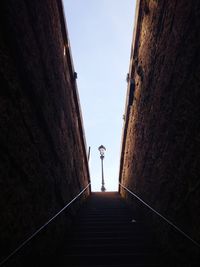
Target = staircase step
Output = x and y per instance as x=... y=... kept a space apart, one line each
x=110 y=248
x=119 y=215
x=103 y=226
x=111 y=265
x=105 y=219
x=107 y=233
x=110 y=241
x=110 y=259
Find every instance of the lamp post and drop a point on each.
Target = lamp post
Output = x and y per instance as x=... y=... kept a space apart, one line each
x=102 y=150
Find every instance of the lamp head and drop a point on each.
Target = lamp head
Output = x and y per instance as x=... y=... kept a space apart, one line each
x=102 y=150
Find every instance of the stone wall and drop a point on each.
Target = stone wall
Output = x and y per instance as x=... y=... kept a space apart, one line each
x=160 y=158
x=43 y=162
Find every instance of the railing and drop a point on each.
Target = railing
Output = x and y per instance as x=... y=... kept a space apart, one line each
x=41 y=228
x=160 y=215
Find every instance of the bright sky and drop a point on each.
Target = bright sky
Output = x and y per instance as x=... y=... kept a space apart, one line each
x=100 y=33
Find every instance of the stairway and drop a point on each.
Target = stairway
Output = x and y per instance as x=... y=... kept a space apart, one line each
x=106 y=234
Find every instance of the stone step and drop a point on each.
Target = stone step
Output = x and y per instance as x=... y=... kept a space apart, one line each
x=110 y=259
x=106 y=233
x=123 y=233
x=122 y=265
x=105 y=213
x=104 y=226
x=101 y=240
x=110 y=248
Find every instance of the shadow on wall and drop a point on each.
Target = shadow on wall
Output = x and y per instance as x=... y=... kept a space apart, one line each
x=160 y=154
x=43 y=159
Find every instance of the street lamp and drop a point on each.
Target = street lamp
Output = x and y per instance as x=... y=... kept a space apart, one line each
x=102 y=150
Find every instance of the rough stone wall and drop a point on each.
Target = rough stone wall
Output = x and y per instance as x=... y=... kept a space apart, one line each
x=160 y=158
x=43 y=162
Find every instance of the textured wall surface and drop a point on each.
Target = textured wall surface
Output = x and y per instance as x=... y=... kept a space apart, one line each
x=160 y=158
x=43 y=162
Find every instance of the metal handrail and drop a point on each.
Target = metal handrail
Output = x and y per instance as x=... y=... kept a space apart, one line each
x=160 y=215
x=41 y=228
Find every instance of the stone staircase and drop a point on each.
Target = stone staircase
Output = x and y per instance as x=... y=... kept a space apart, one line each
x=106 y=233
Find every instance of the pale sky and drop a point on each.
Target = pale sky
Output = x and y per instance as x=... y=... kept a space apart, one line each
x=100 y=33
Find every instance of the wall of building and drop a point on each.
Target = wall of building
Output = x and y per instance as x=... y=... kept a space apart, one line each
x=160 y=158
x=43 y=155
